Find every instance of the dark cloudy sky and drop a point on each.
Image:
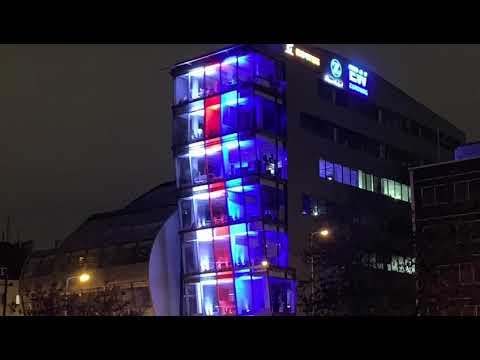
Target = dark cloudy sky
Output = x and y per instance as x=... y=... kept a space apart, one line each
x=86 y=128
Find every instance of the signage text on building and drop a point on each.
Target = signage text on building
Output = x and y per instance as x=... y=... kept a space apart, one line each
x=334 y=76
x=291 y=50
x=357 y=79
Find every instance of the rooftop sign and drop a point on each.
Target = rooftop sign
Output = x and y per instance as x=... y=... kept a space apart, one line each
x=291 y=50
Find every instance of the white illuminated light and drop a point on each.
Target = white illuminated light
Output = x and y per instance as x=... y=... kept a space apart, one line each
x=206 y=195
x=198 y=72
x=196 y=152
x=204 y=264
x=212 y=69
x=332 y=81
x=291 y=50
x=208 y=309
x=214 y=282
x=306 y=56
x=229 y=61
x=200 y=188
x=213 y=149
x=197 y=113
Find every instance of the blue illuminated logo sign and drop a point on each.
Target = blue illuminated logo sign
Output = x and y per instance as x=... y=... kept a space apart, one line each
x=336 y=68
x=335 y=74
x=357 y=79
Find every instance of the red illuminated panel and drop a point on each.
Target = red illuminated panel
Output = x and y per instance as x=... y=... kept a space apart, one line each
x=221 y=248
x=226 y=294
x=212 y=116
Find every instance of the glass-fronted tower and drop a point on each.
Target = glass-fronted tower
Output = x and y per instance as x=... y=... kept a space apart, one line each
x=230 y=149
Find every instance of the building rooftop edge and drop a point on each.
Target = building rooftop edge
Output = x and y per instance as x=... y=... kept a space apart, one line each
x=443 y=163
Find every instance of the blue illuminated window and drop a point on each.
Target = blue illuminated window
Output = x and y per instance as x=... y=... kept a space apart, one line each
x=243 y=291
x=231 y=156
x=266 y=112
x=245 y=109
x=256 y=246
x=229 y=110
x=246 y=67
x=212 y=79
x=282 y=295
x=239 y=244
x=229 y=73
x=261 y=299
x=235 y=200
x=230 y=216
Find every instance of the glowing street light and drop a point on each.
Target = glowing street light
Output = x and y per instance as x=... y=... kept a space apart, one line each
x=324 y=232
x=265 y=263
x=84 y=277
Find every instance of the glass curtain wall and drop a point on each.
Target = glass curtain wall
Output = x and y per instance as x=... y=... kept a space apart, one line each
x=231 y=168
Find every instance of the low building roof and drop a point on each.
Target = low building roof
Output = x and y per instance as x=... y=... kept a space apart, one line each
x=138 y=221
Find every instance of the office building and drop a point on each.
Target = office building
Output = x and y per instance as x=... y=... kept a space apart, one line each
x=446 y=212
x=273 y=142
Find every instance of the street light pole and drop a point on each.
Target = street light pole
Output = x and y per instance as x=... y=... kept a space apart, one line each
x=311 y=274
x=5 y=291
x=83 y=278
x=325 y=232
x=66 y=292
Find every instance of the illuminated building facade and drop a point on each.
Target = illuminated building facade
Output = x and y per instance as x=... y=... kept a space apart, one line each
x=247 y=205
x=231 y=169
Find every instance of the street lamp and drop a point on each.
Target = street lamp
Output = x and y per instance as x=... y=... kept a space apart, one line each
x=84 y=277
x=324 y=233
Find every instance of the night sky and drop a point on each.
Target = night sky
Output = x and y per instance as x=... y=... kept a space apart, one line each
x=86 y=128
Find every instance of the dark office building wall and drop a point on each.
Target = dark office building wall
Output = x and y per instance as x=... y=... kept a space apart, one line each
x=447 y=237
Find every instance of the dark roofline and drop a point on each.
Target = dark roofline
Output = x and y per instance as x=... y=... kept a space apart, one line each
x=125 y=210
x=469 y=143
x=207 y=55
x=42 y=253
x=165 y=184
x=121 y=212
x=443 y=163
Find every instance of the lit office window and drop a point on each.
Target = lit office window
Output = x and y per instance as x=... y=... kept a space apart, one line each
x=398 y=191
x=360 y=179
x=229 y=73
x=354 y=178
x=338 y=172
x=243 y=292
x=369 y=182
x=212 y=79
x=282 y=296
x=198 y=251
x=391 y=188
x=346 y=175
x=229 y=111
x=405 y=193
x=189 y=86
x=245 y=67
x=266 y=112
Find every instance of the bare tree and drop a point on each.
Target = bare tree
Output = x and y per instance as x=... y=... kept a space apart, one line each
x=109 y=301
